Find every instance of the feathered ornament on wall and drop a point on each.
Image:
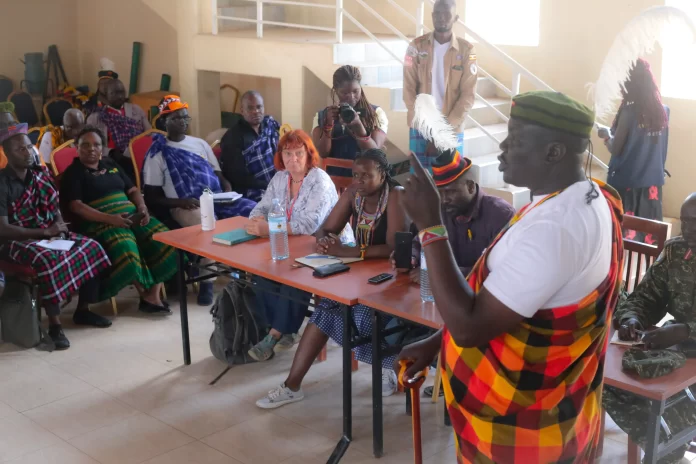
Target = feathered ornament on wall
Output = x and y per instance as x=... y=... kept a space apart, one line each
x=665 y=25
x=432 y=124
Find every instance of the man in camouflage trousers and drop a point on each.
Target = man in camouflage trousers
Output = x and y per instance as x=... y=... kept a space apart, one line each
x=668 y=287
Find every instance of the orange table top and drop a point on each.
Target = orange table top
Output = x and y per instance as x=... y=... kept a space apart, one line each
x=404 y=302
x=660 y=388
x=254 y=256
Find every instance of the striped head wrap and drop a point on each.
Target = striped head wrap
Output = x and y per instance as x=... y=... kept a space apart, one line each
x=554 y=111
x=449 y=166
x=171 y=103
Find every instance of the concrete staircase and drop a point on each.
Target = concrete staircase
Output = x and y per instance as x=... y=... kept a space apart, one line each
x=380 y=70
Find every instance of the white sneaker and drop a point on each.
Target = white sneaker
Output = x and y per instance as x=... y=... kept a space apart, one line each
x=388 y=382
x=280 y=396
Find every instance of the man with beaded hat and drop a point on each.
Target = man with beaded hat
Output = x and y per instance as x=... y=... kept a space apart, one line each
x=525 y=335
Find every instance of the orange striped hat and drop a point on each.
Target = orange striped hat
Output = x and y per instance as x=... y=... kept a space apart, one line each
x=449 y=166
x=171 y=103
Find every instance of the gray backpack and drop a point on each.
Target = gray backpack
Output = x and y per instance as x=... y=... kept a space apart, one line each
x=238 y=327
x=19 y=315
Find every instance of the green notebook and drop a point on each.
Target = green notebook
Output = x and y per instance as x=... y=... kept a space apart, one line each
x=233 y=237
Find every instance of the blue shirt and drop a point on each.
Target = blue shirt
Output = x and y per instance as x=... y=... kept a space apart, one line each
x=641 y=163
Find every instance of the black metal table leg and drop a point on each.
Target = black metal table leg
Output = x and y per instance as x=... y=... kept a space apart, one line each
x=343 y=444
x=377 y=419
x=183 y=308
x=657 y=408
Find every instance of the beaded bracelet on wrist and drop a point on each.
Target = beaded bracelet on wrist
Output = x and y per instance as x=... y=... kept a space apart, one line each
x=432 y=235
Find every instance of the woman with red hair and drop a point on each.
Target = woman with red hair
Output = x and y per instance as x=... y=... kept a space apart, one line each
x=308 y=195
x=637 y=141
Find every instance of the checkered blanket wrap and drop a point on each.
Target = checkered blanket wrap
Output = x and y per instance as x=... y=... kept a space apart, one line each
x=533 y=395
x=121 y=128
x=419 y=144
x=59 y=274
x=259 y=155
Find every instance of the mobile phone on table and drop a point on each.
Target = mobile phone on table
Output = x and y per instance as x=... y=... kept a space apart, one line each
x=378 y=279
x=402 y=249
x=329 y=270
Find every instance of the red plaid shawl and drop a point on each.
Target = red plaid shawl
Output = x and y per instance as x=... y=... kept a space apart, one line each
x=534 y=395
x=58 y=274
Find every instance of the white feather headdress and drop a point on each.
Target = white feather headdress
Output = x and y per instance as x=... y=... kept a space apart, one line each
x=106 y=64
x=432 y=125
x=662 y=24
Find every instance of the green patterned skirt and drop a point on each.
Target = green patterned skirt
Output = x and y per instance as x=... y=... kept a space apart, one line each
x=135 y=256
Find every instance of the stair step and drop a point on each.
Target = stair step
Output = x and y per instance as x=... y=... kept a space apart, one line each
x=487 y=170
x=477 y=143
x=516 y=196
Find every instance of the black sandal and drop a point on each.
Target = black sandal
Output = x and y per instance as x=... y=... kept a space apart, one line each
x=149 y=308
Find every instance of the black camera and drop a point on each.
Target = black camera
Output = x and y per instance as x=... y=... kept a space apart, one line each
x=346 y=112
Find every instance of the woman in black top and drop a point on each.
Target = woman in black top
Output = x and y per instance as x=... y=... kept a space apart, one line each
x=110 y=209
x=373 y=201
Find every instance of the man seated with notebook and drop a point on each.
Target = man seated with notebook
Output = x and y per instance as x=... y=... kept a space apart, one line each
x=666 y=288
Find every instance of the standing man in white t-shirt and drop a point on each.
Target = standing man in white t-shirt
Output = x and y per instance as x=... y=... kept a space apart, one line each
x=444 y=66
x=525 y=337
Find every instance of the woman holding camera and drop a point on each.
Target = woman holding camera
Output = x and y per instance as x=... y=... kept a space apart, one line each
x=350 y=125
x=111 y=210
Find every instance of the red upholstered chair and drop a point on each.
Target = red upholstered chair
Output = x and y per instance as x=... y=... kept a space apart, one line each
x=139 y=145
x=62 y=157
x=217 y=149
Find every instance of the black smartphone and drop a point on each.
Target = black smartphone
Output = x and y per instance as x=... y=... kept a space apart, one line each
x=402 y=249
x=378 y=279
x=330 y=269
x=136 y=218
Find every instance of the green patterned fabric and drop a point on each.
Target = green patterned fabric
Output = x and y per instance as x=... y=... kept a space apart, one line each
x=555 y=111
x=134 y=255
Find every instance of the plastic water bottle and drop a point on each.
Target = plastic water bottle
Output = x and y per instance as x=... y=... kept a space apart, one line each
x=207 y=210
x=278 y=229
x=426 y=293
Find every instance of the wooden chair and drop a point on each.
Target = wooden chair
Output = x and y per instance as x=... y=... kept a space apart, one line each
x=139 y=145
x=284 y=129
x=640 y=256
x=24 y=107
x=217 y=149
x=54 y=109
x=235 y=92
x=341 y=183
x=62 y=157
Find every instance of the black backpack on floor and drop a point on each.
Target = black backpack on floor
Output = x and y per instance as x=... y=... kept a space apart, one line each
x=238 y=326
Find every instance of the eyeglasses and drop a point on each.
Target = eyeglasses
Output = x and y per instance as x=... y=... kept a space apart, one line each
x=181 y=118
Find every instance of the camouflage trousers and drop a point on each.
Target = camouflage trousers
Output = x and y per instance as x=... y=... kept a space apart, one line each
x=630 y=412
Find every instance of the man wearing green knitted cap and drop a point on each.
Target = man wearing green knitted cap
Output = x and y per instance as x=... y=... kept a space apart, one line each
x=525 y=334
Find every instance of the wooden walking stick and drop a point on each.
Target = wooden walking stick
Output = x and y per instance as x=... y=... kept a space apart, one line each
x=413 y=387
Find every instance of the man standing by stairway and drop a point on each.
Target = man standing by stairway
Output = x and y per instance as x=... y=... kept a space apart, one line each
x=444 y=66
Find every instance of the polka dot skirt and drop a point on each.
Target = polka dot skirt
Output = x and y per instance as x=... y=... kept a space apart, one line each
x=328 y=317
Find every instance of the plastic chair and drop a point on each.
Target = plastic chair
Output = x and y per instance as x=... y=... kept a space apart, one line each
x=139 y=145
x=62 y=157
x=24 y=107
x=341 y=183
x=54 y=109
x=6 y=87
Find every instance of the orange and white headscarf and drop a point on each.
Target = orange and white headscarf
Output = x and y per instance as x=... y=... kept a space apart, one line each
x=171 y=103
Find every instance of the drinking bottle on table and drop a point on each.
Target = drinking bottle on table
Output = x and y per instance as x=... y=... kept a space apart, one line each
x=278 y=231
x=426 y=293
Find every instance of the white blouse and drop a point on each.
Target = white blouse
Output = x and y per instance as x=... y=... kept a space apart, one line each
x=315 y=200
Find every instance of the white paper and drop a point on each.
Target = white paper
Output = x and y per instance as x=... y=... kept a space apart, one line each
x=56 y=245
x=234 y=196
x=617 y=341
x=309 y=261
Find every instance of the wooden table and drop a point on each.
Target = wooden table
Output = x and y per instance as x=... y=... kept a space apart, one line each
x=255 y=257
x=657 y=392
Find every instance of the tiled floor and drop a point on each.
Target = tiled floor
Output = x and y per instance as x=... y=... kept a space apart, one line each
x=122 y=395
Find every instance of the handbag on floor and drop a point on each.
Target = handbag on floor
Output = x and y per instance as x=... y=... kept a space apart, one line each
x=19 y=315
x=237 y=324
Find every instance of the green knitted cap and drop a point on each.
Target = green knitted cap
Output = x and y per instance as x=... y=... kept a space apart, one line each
x=555 y=111
x=7 y=107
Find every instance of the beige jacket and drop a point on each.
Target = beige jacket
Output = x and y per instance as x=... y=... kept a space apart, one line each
x=460 y=81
